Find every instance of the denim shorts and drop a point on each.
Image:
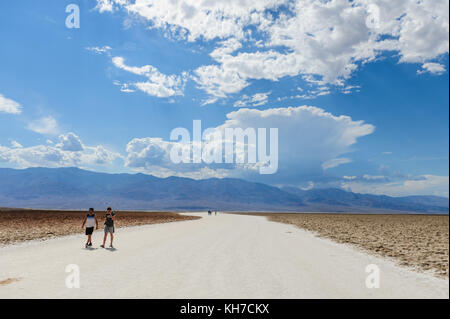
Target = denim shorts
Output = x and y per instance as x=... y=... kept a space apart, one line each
x=109 y=229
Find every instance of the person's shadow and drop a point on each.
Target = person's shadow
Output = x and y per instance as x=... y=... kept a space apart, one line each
x=111 y=249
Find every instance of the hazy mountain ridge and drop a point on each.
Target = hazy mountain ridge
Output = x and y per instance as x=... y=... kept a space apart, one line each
x=74 y=188
x=340 y=198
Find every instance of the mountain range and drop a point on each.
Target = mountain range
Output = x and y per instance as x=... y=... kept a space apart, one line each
x=74 y=188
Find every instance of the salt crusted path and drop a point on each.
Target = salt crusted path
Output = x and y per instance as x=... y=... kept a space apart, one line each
x=225 y=256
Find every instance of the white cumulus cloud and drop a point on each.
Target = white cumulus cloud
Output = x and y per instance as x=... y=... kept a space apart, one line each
x=309 y=137
x=15 y=144
x=70 y=142
x=257 y=99
x=99 y=50
x=9 y=106
x=45 y=125
x=433 y=68
x=421 y=185
x=69 y=152
x=335 y=162
x=157 y=84
x=324 y=41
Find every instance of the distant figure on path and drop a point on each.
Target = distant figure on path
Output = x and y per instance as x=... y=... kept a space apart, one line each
x=89 y=220
x=215 y=212
x=109 y=226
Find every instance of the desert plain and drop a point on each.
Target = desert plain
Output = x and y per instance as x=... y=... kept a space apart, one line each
x=201 y=256
x=420 y=242
x=19 y=225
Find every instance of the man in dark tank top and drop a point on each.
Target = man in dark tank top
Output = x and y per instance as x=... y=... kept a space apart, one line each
x=109 y=226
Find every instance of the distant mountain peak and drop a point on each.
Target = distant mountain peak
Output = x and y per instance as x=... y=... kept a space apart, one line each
x=75 y=188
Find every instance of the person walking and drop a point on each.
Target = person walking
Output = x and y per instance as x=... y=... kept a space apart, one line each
x=89 y=220
x=109 y=226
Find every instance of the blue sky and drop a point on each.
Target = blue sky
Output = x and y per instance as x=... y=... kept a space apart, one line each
x=106 y=96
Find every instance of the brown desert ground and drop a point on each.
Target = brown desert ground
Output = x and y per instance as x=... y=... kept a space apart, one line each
x=18 y=225
x=417 y=241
